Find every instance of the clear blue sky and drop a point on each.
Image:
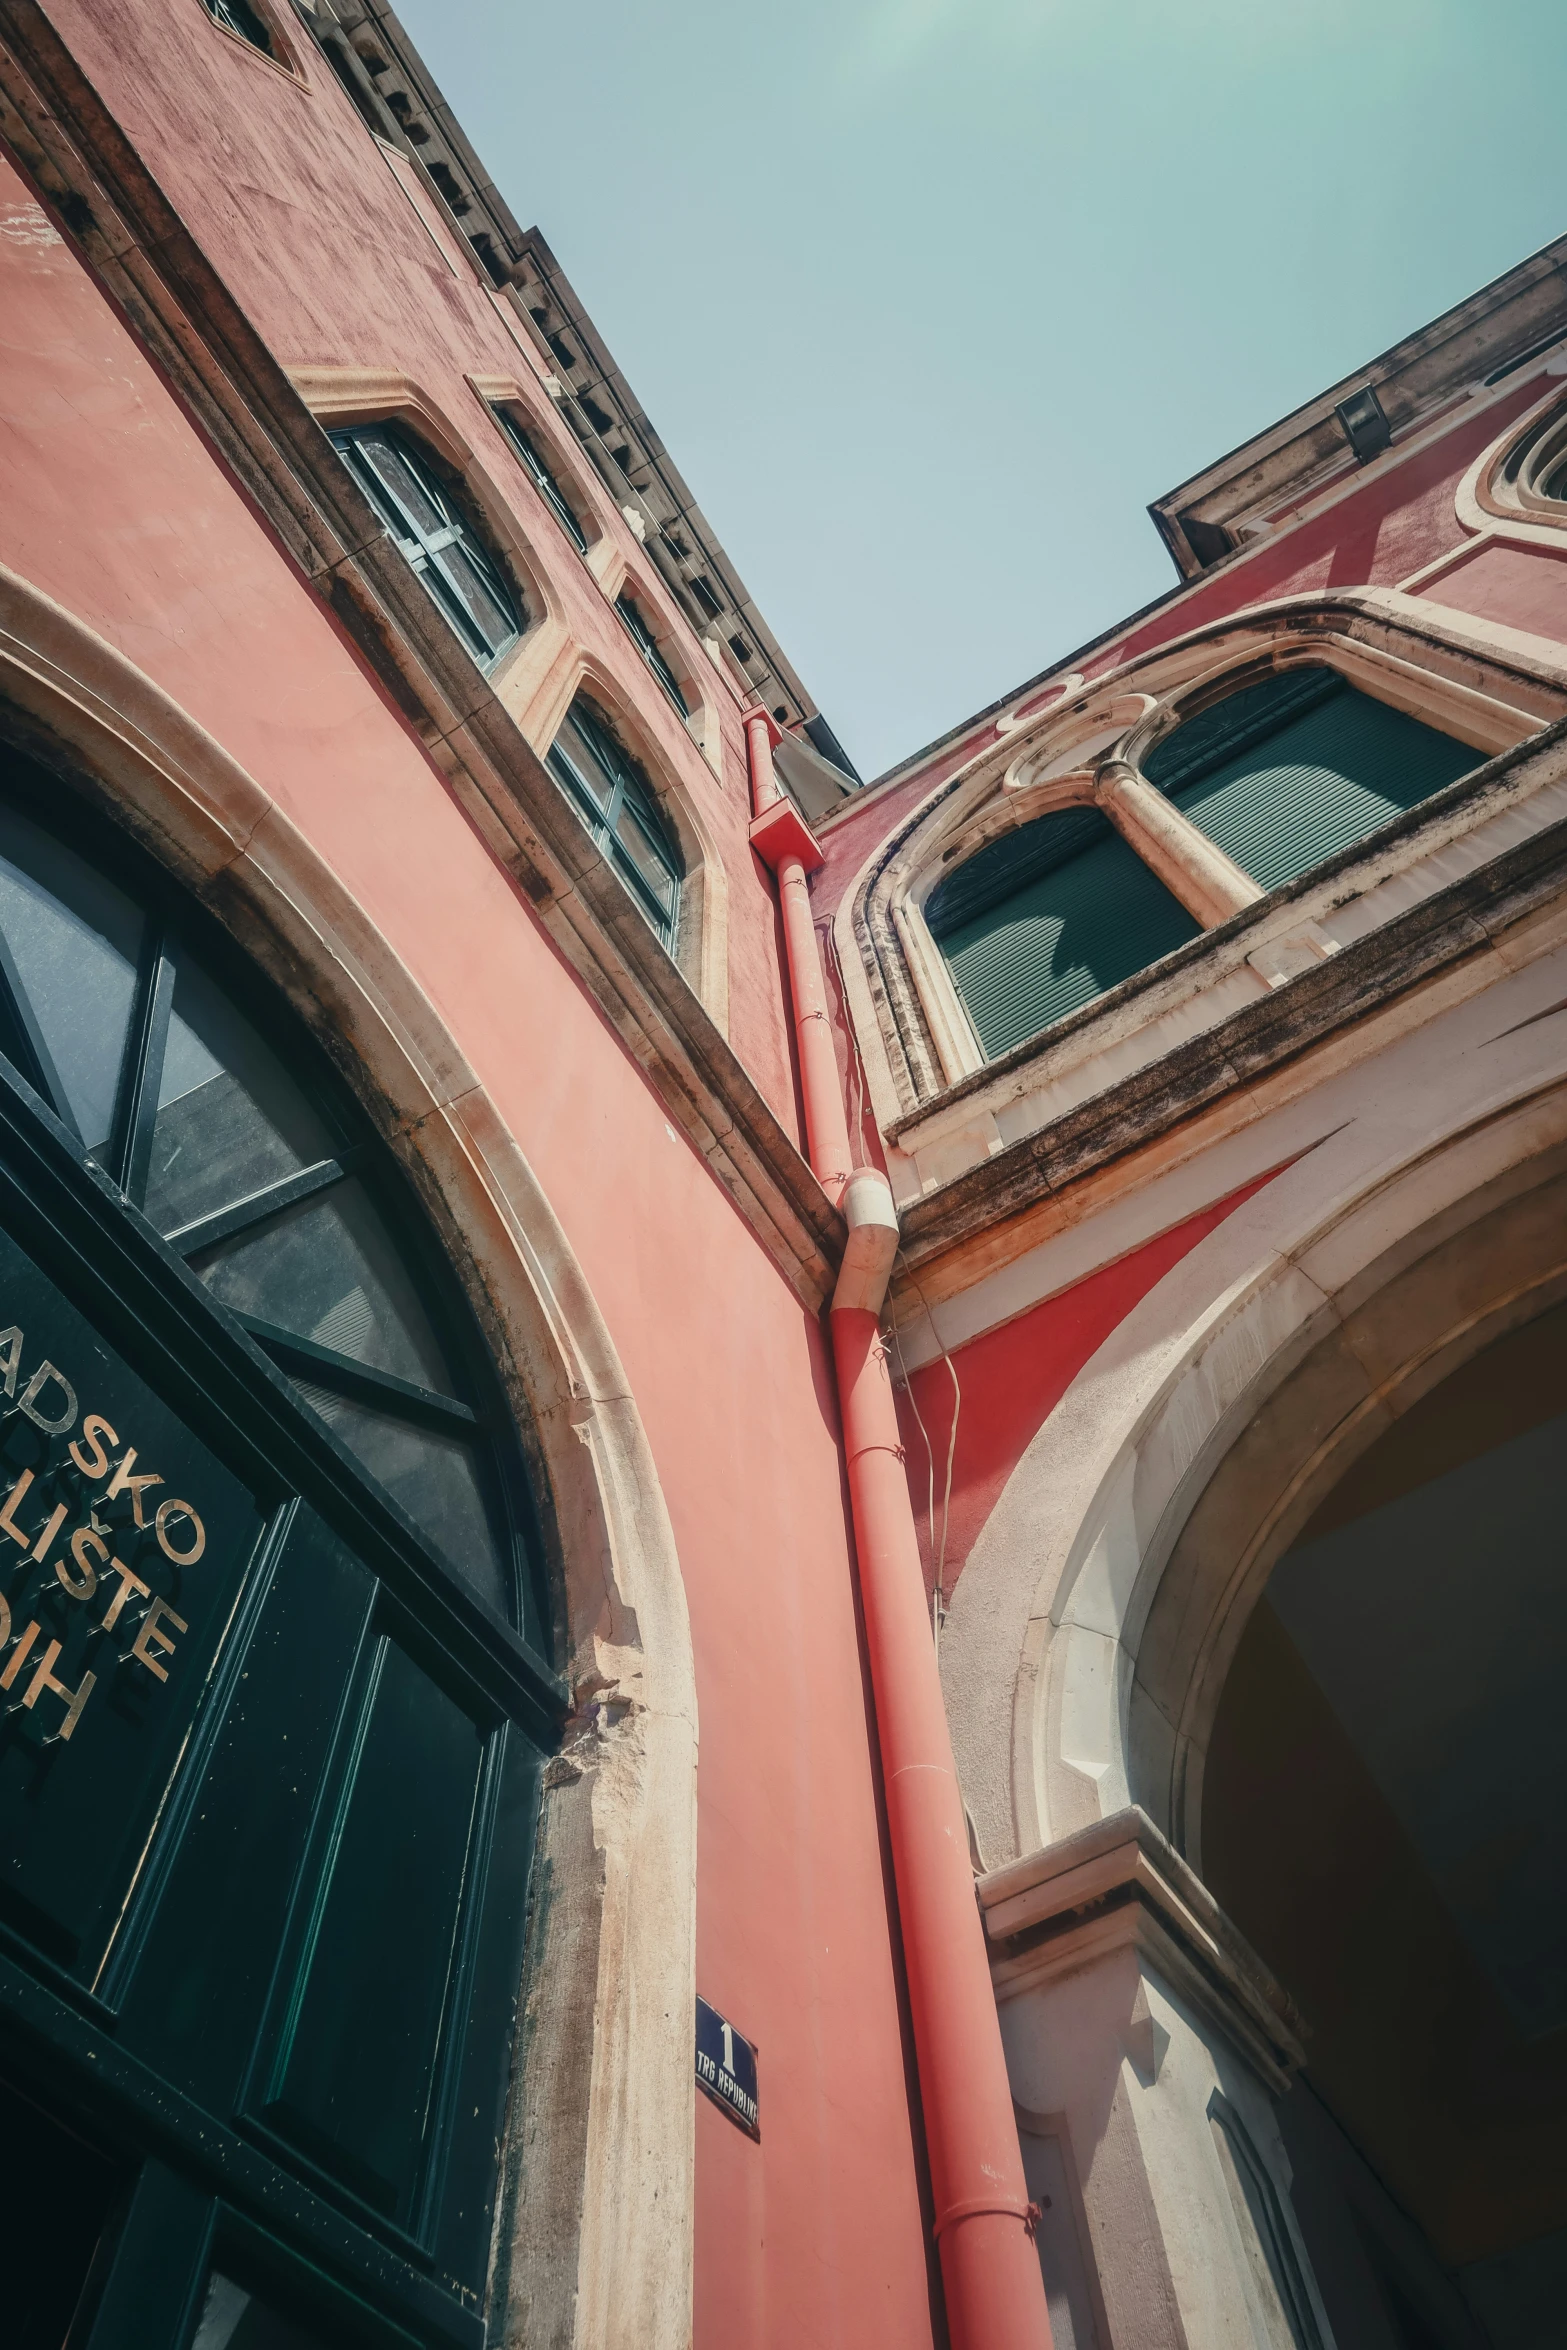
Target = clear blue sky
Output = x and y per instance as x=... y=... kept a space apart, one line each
x=930 y=297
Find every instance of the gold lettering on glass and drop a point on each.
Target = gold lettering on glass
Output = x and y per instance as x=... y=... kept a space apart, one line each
x=8 y=1522
x=52 y=1423
x=152 y=1636
x=129 y=1582
x=91 y=1554
x=123 y=1482
x=75 y=1698
x=170 y=1512
x=19 y=1654
x=96 y=1433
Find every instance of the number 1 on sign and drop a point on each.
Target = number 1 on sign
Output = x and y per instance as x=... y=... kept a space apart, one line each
x=729 y=2047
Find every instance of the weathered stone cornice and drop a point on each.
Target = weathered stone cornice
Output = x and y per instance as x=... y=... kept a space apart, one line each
x=1120 y=1883
x=150 y=260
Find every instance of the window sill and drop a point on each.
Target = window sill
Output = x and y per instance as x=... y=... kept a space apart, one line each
x=1283 y=947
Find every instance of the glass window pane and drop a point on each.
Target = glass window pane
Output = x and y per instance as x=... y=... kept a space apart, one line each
x=361 y=2061
x=549 y=487
x=414 y=492
x=434 y=1477
x=232 y=2319
x=329 y=1270
x=492 y=618
x=650 y=858
x=76 y=941
x=577 y=763
x=640 y=630
x=230 y=1117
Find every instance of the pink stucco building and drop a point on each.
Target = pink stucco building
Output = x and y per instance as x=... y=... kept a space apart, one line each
x=779 y=1558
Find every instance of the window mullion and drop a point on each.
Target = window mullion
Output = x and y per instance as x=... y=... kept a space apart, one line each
x=136 y=1110
x=32 y=1056
x=323 y=1366
x=224 y=1223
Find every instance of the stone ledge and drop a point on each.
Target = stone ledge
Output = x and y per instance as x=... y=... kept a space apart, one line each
x=1120 y=1884
x=1433 y=937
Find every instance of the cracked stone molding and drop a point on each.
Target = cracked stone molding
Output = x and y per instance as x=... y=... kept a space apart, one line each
x=150 y=261
x=593 y=2240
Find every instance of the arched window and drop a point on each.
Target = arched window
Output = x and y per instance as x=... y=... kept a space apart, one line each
x=1280 y=776
x=639 y=628
x=611 y=793
x=1045 y=919
x=437 y=537
x=534 y=464
x=237 y=16
x=273 y=1713
x=1534 y=468
x=247 y=1160
x=1286 y=773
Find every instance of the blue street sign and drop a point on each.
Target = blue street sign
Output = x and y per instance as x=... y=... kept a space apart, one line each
x=726 y=2068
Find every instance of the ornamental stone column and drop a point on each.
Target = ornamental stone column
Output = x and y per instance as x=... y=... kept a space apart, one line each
x=1193 y=868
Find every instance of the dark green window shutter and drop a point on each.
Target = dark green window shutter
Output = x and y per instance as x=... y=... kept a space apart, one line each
x=1047 y=918
x=1286 y=773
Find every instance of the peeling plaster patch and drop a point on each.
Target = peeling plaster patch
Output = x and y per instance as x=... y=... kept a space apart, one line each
x=28 y=224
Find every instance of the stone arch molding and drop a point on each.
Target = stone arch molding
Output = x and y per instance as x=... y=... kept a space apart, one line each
x=1433 y=666
x=1098 y=1612
x=594 y=2239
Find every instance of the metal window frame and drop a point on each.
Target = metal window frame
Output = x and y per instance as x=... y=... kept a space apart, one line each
x=424 y=550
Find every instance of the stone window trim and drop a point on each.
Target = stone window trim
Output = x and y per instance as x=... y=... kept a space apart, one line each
x=538 y=676
x=1500 y=493
x=342 y=396
x=1085 y=749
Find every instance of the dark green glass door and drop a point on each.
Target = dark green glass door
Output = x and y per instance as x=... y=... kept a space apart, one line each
x=57 y=2196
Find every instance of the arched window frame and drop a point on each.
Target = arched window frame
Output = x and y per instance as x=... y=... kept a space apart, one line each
x=479 y=1413
x=113 y=734
x=688 y=692
x=920 y=1042
x=227 y=17
x=534 y=446
x=425 y=549
x=700 y=949
x=340 y=398
x=1502 y=493
x=604 y=781
x=654 y=652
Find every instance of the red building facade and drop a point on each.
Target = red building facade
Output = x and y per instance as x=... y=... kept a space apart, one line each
x=471 y=1048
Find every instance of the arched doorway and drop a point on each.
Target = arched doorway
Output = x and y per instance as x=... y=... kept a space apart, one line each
x=608 y=2109
x=1381 y=1817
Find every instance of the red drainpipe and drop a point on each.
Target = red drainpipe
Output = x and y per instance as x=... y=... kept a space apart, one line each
x=990 y=2270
